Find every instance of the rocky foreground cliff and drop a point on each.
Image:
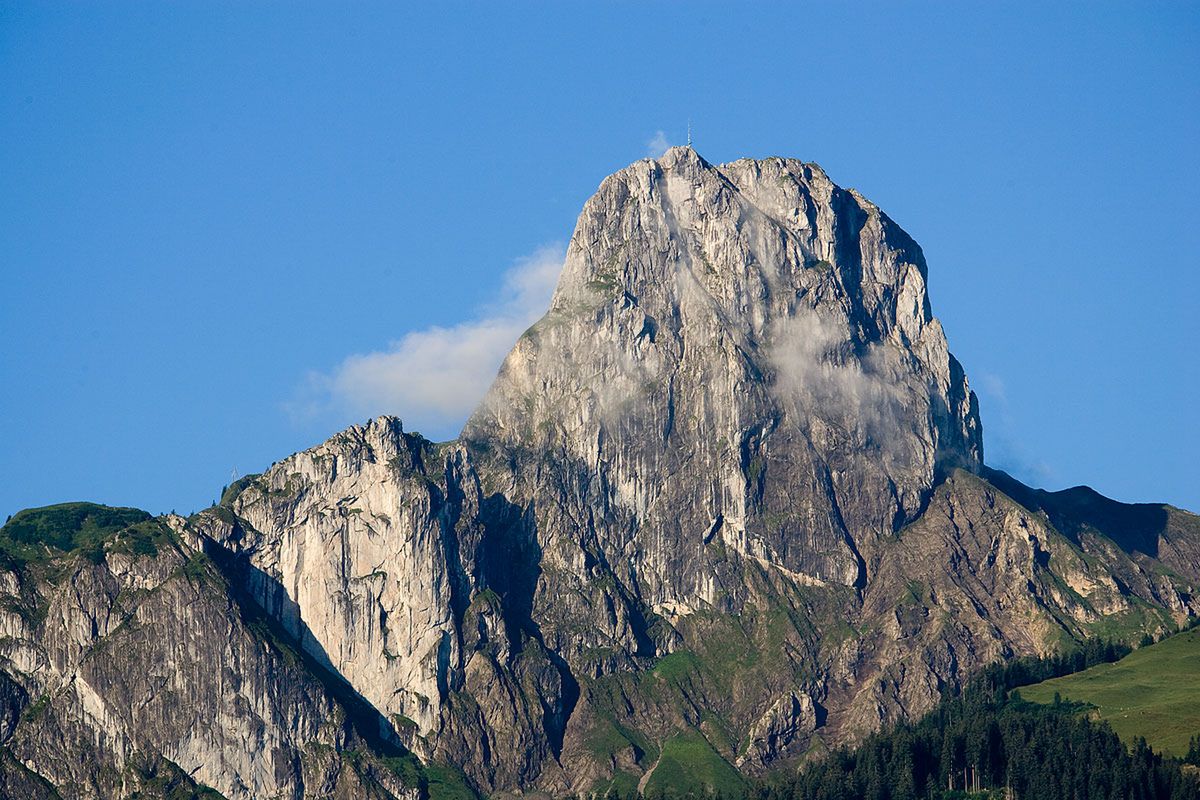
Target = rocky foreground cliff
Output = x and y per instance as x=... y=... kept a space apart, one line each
x=724 y=506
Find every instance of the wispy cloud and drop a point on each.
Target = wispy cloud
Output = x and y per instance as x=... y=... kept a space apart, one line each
x=434 y=378
x=657 y=145
x=815 y=370
x=993 y=386
x=1003 y=448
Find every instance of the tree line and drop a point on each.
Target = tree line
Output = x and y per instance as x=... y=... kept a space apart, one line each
x=988 y=742
x=985 y=741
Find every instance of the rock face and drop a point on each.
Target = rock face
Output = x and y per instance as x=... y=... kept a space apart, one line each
x=130 y=670
x=739 y=364
x=726 y=498
x=743 y=355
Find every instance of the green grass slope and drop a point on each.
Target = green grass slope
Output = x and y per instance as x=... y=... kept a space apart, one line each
x=1154 y=692
x=689 y=767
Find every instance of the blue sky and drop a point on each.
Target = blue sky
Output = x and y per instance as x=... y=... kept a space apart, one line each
x=212 y=216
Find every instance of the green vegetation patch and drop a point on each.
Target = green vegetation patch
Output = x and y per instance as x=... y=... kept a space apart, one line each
x=37 y=535
x=690 y=767
x=727 y=665
x=676 y=667
x=1153 y=692
x=620 y=785
x=447 y=783
x=160 y=779
x=36 y=709
x=605 y=283
x=607 y=737
x=231 y=492
x=1129 y=626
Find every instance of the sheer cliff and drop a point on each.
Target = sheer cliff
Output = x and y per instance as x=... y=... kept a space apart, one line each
x=724 y=505
x=129 y=669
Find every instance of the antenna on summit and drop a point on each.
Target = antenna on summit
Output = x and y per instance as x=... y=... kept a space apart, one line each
x=689 y=131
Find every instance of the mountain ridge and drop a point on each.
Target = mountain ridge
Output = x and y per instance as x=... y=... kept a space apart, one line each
x=726 y=501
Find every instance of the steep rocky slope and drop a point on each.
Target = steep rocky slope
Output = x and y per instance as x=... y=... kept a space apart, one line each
x=130 y=670
x=731 y=483
x=724 y=506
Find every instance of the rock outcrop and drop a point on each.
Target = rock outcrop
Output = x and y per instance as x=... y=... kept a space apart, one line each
x=729 y=492
x=129 y=669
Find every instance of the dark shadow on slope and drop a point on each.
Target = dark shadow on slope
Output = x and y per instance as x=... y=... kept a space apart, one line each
x=13 y=700
x=449 y=512
x=509 y=562
x=1134 y=527
x=245 y=580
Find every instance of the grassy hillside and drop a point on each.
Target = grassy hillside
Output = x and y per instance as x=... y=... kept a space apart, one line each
x=689 y=767
x=1153 y=692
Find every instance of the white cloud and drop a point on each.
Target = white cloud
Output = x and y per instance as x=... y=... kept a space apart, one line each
x=434 y=378
x=1004 y=448
x=657 y=145
x=816 y=369
x=993 y=385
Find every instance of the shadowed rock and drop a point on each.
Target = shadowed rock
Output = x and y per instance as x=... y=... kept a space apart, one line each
x=724 y=501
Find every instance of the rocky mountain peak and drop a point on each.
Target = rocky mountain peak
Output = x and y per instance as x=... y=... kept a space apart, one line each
x=738 y=371
x=726 y=498
x=760 y=329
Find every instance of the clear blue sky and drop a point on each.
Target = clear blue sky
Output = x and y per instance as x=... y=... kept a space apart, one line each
x=205 y=205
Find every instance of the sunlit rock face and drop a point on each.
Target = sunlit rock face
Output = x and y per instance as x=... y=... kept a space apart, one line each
x=730 y=483
x=349 y=548
x=738 y=357
x=132 y=671
x=728 y=491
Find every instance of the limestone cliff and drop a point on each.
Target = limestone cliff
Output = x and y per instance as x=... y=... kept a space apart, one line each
x=727 y=498
x=130 y=669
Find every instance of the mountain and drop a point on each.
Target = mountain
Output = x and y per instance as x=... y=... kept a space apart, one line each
x=130 y=671
x=724 y=506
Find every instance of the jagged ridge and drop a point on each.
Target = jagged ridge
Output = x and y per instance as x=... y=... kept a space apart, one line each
x=724 y=504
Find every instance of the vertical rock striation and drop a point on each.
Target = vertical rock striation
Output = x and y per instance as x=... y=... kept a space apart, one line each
x=129 y=669
x=740 y=356
x=726 y=498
